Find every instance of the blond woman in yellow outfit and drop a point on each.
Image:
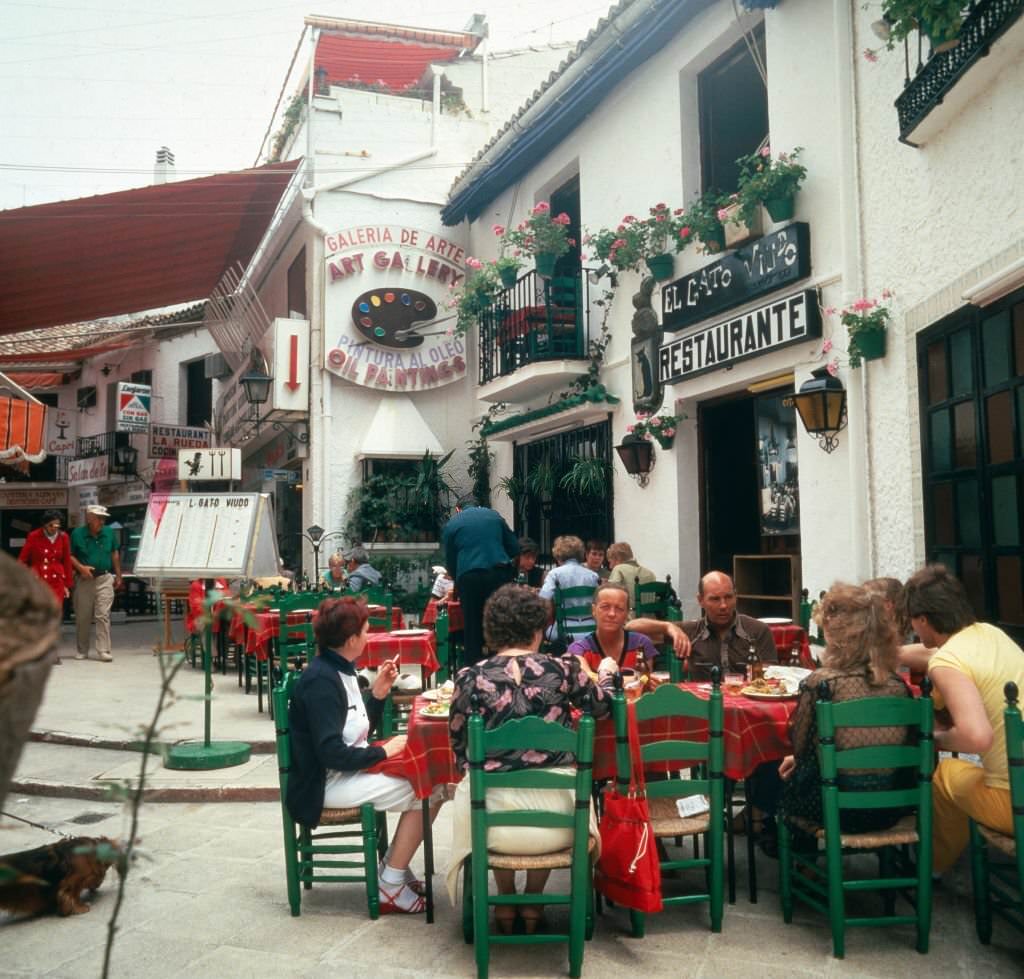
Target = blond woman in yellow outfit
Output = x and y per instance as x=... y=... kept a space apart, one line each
x=970 y=666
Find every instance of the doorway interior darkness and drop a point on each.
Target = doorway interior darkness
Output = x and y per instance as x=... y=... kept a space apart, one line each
x=731 y=483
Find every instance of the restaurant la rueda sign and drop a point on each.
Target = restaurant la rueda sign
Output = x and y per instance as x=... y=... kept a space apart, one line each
x=769 y=263
x=387 y=323
x=779 y=323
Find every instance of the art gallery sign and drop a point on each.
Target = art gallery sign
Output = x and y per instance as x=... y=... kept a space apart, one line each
x=388 y=321
x=776 y=324
x=770 y=263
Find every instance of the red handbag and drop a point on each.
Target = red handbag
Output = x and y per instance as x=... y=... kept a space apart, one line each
x=628 y=871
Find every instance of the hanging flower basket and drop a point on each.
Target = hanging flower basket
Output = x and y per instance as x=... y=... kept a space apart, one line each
x=870 y=344
x=738 y=230
x=545 y=264
x=661 y=266
x=509 y=276
x=780 y=208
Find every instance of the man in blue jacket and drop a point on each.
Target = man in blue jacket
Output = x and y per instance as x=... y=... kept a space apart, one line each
x=480 y=552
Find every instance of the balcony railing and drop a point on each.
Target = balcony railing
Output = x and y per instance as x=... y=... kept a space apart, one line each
x=986 y=21
x=533 y=321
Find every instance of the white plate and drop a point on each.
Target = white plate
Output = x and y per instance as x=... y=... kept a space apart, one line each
x=433 y=694
x=770 y=696
x=410 y=632
x=432 y=716
x=776 y=621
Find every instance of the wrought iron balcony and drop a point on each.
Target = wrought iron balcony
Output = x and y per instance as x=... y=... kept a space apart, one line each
x=935 y=76
x=533 y=321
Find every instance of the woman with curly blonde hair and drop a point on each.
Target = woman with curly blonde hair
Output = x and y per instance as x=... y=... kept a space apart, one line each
x=860 y=662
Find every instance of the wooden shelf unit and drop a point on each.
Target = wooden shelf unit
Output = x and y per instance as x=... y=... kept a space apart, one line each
x=767 y=585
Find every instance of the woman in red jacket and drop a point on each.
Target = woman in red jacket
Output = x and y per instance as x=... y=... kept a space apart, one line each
x=47 y=552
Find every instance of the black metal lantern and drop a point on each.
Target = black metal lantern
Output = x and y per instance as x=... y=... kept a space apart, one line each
x=821 y=404
x=257 y=386
x=637 y=456
x=127 y=459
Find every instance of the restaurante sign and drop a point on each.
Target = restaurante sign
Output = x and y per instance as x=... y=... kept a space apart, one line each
x=777 y=324
x=767 y=264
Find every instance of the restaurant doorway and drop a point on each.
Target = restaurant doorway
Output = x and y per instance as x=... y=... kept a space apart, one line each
x=748 y=478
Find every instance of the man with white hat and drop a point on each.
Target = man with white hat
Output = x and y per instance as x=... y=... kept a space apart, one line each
x=96 y=558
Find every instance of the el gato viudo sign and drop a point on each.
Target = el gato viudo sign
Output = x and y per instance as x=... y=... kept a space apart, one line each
x=387 y=317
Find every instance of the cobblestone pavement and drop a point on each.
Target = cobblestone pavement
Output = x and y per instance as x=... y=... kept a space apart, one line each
x=207 y=897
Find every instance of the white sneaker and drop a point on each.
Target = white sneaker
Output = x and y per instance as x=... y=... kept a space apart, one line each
x=81 y=656
x=105 y=657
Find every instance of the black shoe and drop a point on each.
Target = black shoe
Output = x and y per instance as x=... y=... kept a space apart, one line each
x=768 y=840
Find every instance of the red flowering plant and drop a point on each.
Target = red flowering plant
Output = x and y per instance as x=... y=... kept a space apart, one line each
x=635 y=239
x=540 y=233
x=863 y=318
x=478 y=293
x=662 y=428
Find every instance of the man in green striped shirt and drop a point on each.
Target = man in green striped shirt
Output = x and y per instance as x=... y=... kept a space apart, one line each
x=96 y=559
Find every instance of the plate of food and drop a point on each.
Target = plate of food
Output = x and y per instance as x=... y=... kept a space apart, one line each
x=437 y=711
x=775 y=620
x=765 y=689
x=410 y=632
x=443 y=693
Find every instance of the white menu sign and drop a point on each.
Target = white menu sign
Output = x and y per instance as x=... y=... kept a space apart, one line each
x=199 y=535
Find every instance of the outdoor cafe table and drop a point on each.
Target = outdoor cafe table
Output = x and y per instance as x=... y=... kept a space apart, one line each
x=456 y=622
x=415 y=647
x=755 y=731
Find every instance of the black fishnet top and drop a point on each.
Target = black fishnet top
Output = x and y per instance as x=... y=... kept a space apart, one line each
x=802 y=796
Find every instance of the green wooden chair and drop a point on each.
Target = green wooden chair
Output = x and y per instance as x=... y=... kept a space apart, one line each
x=529 y=732
x=338 y=855
x=999 y=887
x=707 y=780
x=826 y=889
x=445 y=649
x=651 y=599
x=574 y=617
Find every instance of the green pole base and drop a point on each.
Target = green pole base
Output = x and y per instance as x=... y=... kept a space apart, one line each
x=198 y=756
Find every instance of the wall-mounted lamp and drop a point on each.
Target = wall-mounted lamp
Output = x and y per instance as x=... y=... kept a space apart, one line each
x=127 y=458
x=637 y=456
x=821 y=404
x=256 y=384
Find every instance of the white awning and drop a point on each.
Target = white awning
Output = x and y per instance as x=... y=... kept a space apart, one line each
x=398 y=431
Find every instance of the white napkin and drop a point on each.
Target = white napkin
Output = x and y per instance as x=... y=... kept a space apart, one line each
x=789 y=675
x=692 y=805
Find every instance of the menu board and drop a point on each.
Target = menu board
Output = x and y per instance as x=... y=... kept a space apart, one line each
x=199 y=535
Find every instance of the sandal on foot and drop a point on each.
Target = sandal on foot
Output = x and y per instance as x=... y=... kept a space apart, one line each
x=390 y=896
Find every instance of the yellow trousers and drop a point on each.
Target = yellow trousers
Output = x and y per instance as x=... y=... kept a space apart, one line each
x=959 y=791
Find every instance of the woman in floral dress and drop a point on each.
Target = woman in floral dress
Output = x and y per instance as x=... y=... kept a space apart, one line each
x=518 y=682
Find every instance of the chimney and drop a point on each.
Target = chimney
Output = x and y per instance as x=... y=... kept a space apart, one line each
x=163 y=169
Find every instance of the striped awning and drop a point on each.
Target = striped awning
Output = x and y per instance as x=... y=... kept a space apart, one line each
x=22 y=429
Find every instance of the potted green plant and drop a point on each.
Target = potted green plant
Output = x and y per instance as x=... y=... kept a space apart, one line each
x=431 y=493
x=586 y=477
x=542 y=478
x=701 y=220
x=637 y=242
x=661 y=428
x=542 y=234
x=866 y=322
x=773 y=183
x=507 y=268
x=939 y=20
x=478 y=294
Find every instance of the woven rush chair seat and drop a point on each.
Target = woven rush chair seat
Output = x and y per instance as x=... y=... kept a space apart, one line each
x=999 y=840
x=666 y=821
x=904 y=831
x=338 y=817
x=535 y=861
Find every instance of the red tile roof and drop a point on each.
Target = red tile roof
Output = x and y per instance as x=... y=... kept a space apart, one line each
x=395 y=65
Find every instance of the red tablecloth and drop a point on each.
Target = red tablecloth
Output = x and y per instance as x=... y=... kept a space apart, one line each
x=266 y=627
x=427 y=760
x=783 y=636
x=397 y=621
x=756 y=731
x=419 y=649
x=518 y=322
x=456 y=623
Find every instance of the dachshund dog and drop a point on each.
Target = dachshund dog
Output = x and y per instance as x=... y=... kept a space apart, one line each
x=52 y=878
